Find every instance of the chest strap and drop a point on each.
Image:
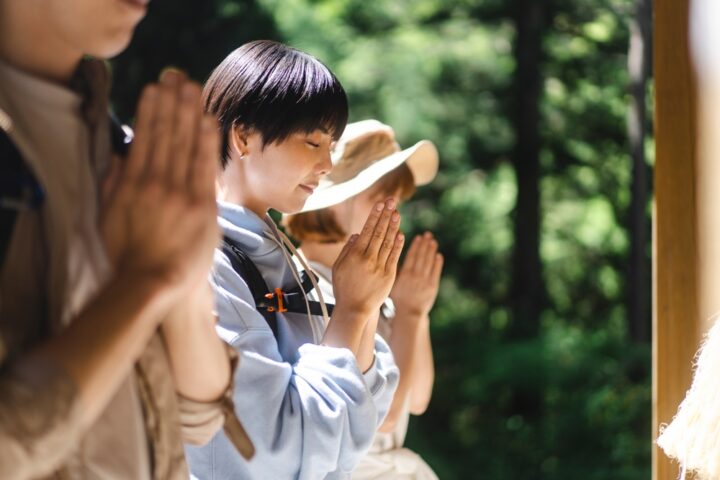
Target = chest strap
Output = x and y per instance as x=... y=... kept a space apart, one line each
x=269 y=302
x=19 y=188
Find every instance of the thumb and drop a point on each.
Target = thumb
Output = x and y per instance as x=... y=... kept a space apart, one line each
x=111 y=181
x=346 y=248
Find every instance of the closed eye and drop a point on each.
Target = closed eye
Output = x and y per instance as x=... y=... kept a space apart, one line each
x=314 y=145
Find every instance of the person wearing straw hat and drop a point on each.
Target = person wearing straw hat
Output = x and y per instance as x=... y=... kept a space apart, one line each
x=368 y=165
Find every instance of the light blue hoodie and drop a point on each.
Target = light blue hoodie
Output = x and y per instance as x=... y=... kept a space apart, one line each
x=308 y=409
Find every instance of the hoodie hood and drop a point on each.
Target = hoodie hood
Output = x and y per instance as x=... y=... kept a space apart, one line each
x=242 y=225
x=260 y=240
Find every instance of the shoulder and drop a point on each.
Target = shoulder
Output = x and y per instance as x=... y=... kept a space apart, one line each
x=234 y=300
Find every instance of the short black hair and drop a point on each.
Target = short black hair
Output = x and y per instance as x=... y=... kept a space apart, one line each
x=276 y=90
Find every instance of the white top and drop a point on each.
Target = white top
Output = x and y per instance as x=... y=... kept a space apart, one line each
x=386 y=459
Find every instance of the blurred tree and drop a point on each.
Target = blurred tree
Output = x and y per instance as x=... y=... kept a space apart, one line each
x=191 y=36
x=639 y=58
x=530 y=19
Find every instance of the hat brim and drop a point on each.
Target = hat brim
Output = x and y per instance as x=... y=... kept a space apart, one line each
x=422 y=160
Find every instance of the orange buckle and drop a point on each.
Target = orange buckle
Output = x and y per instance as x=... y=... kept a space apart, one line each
x=279 y=294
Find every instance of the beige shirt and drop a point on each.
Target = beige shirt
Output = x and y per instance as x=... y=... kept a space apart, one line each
x=54 y=266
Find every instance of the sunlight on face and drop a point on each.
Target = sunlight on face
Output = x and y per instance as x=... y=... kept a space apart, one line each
x=283 y=175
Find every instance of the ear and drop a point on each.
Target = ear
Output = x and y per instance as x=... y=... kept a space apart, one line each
x=239 y=140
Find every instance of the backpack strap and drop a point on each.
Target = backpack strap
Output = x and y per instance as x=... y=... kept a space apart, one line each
x=269 y=302
x=21 y=191
x=249 y=272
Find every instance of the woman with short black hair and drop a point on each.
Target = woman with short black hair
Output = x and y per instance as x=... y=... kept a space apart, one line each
x=311 y=388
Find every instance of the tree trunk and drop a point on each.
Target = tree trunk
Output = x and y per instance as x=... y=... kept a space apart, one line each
x=639 y=50
x=527 y=290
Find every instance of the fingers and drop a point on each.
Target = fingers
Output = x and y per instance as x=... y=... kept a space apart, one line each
x=170 y=143
x=142 y=141
x=165 y=124
x=205 y=164
x=394 y=256
x=185 y=138
x=366 y=234
x=389 y=219
x=437 y=267
x=424 y=254
x=391 y=234
x=429 y=252
x=411 y=257
x=110 y=182
x=343 y=253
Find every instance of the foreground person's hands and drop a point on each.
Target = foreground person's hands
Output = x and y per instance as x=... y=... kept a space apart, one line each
x=158 y=225
x=159 y=212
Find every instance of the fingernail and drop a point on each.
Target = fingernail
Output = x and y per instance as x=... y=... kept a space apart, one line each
x=170 y=76
x=400 y=237
x=390 y=204
x=395 y=217
x=379 y=207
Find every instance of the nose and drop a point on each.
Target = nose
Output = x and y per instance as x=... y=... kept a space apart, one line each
x=325 y=164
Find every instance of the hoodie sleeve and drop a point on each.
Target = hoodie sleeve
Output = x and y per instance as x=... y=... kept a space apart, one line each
x=383 y=371
x=307 y=419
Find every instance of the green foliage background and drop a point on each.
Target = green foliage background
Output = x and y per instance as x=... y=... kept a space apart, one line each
x=572 y=402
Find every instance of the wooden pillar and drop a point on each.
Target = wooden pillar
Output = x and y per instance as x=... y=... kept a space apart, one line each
x=706 y=56
x=676 y=329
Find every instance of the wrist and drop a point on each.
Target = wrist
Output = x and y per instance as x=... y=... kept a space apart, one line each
x=354 y=311
x=345 y=329
x=195 y=308
x=157 y=278
x=154 y=296
x=154 y=287
x=409 y=315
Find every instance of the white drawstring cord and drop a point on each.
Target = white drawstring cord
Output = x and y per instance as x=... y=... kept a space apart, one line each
x=316 y=331
x=306 y=265
x=303 y=262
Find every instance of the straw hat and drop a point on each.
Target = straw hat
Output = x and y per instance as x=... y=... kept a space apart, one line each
x=366 y=151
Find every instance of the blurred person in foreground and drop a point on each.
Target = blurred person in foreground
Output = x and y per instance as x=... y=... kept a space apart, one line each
x=368 y=165
x=108 y=355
